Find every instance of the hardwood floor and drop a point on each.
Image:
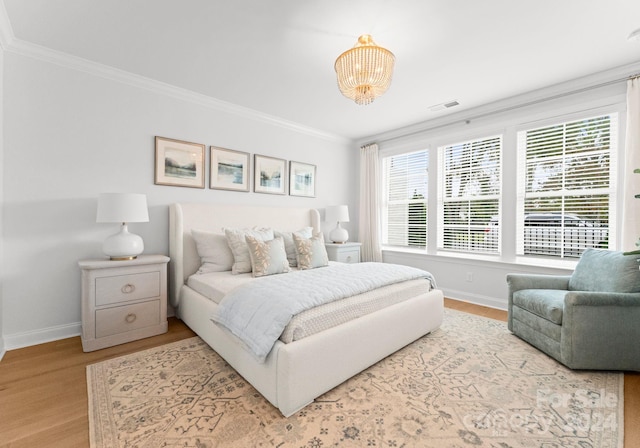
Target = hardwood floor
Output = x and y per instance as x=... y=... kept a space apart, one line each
x=43 y=389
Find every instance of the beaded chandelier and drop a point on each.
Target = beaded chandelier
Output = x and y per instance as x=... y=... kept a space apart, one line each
x=364 y=71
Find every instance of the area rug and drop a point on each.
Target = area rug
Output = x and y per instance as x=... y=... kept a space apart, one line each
x=469 y=384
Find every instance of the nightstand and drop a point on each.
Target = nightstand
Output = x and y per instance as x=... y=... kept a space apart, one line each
x=345 y=252
x=123 y=300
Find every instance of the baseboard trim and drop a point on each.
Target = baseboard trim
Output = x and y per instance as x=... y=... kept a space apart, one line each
x=476 y=299
x=29 y=338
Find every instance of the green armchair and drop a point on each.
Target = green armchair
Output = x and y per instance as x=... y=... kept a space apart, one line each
x=588 y=320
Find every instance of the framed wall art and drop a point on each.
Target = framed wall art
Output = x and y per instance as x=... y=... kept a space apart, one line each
x=229 y=170
x=179 y=163
x=270 y=175
x=302 y=179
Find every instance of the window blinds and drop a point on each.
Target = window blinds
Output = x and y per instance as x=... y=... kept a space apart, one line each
x=405 y=197
x=566 y=179
x=470 y=195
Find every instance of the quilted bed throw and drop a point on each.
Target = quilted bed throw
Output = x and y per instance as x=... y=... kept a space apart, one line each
x=258 y=312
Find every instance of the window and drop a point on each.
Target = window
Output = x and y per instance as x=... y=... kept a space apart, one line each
x=566 y=180
x=470 y=195
x=404 y=217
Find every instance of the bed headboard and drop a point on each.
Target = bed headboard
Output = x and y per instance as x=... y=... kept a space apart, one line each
x=213 y=218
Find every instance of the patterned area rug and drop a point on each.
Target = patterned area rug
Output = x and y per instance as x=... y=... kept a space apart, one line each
x=469 y=384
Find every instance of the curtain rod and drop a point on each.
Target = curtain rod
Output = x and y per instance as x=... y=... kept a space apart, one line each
x=510 y=108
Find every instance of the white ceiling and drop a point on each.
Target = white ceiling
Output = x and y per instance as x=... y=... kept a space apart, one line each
x=277 y=56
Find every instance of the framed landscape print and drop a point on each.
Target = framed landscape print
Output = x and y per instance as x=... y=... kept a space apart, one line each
x=302 y=179
x=270 y=175
x=229 y=170
x=179 y=163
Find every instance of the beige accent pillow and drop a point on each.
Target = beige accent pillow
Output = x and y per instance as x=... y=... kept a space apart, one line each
x=214 y=251
x=267 y=257
x=290 y=246
x=310 y=252
x=238 y=245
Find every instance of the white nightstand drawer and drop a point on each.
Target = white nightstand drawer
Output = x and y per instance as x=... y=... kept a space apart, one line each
x=123 y=288
x=348 y=256
x=120 y=319
x=344 y=253
x=123 y=300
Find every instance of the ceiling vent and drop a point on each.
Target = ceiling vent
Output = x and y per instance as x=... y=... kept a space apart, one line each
x=443 y=106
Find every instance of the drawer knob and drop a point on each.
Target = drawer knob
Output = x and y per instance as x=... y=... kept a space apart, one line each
x=128 y=288
x=349 y=258
x=131 y=317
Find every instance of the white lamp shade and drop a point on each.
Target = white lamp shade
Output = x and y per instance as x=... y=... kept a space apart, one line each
x=337 y=213
x=122 y=207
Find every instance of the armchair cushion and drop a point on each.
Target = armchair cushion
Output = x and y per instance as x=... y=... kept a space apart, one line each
x=606 y=271
x=545 y=303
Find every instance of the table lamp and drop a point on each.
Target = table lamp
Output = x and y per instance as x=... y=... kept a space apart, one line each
x=122 y=208
x=338 y=213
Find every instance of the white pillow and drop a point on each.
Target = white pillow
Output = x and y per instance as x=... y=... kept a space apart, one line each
x=238 y=245
x=311 y=252
x=289 y=245
x=267 y=257
x=214 y=251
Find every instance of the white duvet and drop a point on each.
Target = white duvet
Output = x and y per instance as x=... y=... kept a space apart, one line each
x=258 y=312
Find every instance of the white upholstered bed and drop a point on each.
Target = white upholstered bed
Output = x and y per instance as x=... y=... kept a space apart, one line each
x=294 y=373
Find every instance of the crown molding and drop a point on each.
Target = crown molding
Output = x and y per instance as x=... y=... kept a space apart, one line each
x=600 y=79
x=66 y=60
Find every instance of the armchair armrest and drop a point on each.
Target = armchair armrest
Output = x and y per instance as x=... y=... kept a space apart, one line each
x=516 y=282
x=600 y=330
x=591 y=298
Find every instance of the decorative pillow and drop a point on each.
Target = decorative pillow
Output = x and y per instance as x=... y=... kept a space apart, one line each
x=290 y=246
x=214 y=251
x=238 y=245
x=267 y=257
x=606 y=271
x=310 y=252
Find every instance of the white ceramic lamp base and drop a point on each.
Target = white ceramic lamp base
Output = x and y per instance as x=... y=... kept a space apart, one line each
x=123 y=245
x=339 y=235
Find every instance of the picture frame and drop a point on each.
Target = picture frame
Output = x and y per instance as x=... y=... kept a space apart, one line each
x=229 y=169
x=269 y=175
x=302 y=179
x=179 y=163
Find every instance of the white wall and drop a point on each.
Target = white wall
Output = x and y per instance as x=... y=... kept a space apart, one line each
x=70 y=135
x=482 y=279
x=2 y=344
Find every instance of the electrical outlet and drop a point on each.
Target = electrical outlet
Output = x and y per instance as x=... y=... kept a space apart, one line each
x=469 y=276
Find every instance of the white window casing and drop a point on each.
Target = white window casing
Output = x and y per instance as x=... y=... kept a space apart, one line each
x=567 y=176
x=405 y=196
x=469 y=195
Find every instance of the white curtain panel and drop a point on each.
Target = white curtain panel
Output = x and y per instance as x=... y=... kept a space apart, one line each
x=369 y=227
x=631 y=205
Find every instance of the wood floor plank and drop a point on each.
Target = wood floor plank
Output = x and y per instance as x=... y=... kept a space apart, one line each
x=43 y=389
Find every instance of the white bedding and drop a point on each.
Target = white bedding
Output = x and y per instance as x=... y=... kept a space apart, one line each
x=332 y=314
x=215 y=285
x=258 y=312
